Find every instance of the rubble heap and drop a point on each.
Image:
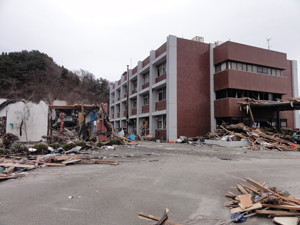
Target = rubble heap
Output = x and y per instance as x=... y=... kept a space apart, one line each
x=260 y=200
x=265 y=138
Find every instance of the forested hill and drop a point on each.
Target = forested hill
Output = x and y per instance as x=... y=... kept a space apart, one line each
x=35 y=76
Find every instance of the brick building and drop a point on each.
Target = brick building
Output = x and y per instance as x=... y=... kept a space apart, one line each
x=188 y=87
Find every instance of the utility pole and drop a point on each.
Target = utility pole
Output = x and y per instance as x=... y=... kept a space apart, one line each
x=127 y=100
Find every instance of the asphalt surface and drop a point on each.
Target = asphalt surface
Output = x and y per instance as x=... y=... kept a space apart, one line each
x=190 y=181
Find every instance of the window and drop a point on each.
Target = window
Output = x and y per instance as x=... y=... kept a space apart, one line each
x=161 y=94
x=161 y=122
x=134 y=103
x=223 y=66
x=134 y=85
x=218 y=68
x=146 y=78
x=134 y=124
x=161 y=69
x=146 y=99
x=249 y=68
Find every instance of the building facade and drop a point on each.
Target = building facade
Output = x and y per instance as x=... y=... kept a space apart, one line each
x=188 y=87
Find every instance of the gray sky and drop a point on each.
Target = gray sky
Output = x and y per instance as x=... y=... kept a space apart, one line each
x=103 y=37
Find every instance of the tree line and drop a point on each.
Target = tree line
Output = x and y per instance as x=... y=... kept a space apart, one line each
x=34 y=76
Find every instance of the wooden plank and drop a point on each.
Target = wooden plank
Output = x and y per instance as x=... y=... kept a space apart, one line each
x=9 y=170
x=157 y=218
x=164 y=218
x=71 y=161
x=286 y=220
x=55 y=164
x=239 y=209
x=257 y=185
x=281 y=206
x=3 y=175
x=241 y=189
x=17 y=165
x=245 y=201
x=104 y=162
x=277 y=213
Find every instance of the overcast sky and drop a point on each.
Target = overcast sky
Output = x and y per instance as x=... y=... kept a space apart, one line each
x=103 y=37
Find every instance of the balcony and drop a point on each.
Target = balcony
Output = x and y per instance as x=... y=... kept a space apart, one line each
x=133 y=91
x=145 y=109
x=230 y=107
x=145 y=85
x=134 y=111
x=118 y=115
x=112 y=116
x=125 y=113
x=119 y=82
x=162 y=105
x=250 y=81
x=160 y=78
x=119 y=99
x=125 y=96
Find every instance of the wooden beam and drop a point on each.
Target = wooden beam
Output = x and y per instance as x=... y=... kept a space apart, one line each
x=17 y=165
x=281 y=206
x=55 y=164
x=157 y=218
x=9 y=170
x=277 y=213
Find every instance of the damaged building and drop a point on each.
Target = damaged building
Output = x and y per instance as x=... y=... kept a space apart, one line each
x=188 y=88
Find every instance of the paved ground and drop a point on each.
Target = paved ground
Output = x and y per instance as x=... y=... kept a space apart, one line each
x=190 y=181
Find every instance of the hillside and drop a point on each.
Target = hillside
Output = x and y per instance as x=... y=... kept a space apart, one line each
x=34 y=76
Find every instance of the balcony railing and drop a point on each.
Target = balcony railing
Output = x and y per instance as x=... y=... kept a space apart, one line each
x=162 y=105
x=133 y=91
x=134 y=111
x=125 y=113
x=118 y=115
x=160 y=78
x=145 y=108
x=145 y=85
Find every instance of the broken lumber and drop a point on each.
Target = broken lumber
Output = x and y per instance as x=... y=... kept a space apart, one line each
x=71 y=161
x=286 y=220
x=239 y=209
x=281 y=206
x=17 y=165
x=9 y=170
x=141 y=214
x=164 y=218
x=277 y=213
x=245 y=201
x=55 y=164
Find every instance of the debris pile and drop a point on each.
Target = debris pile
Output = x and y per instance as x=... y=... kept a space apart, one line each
x=260 y=200
x=259 y=138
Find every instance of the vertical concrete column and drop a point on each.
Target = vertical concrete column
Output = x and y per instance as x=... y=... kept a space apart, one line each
x=295 y=92
x=129 y=91
x=151 y=104
x=138 y=103
x=213 y=122
x=171 y=88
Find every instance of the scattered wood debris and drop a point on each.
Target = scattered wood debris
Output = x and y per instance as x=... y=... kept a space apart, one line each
x=159 y=221
x=259 y=138
x=261 y=200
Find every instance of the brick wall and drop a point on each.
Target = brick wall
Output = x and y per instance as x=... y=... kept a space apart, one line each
x=134 y=70
x=193 y=88
x=161 y=50
x=146 y=61
x=160 y=134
